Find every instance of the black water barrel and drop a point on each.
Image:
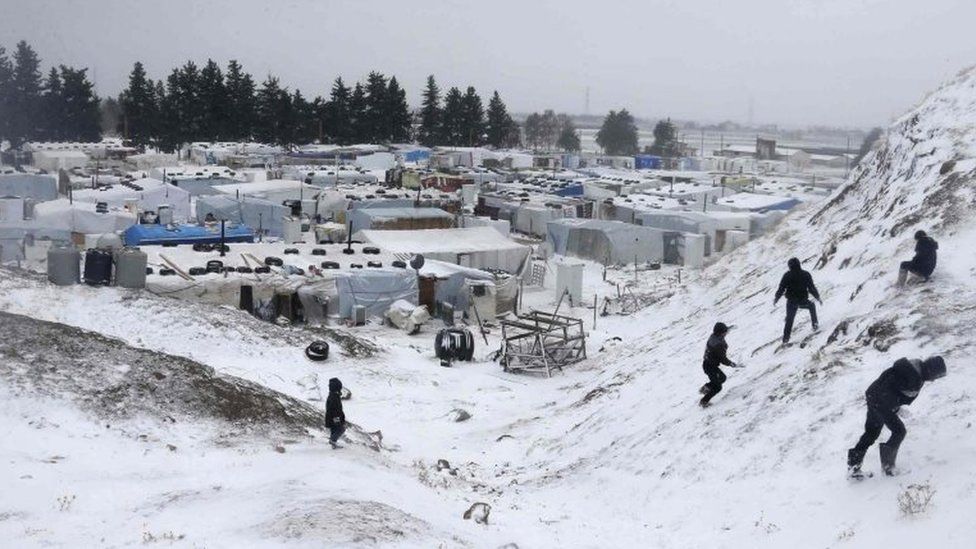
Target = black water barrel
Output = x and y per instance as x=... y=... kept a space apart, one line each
x=98 y=267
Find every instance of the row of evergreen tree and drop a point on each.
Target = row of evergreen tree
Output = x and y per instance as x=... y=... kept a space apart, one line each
x=61 y=107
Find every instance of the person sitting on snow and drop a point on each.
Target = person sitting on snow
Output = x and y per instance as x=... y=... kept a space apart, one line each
x=798 y=286
x=896 y=387
x=923 y=263
x=716 y=354
x=335 y=419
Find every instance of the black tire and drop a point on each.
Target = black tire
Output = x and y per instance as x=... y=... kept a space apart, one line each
x=272 y=260
x=317 y=351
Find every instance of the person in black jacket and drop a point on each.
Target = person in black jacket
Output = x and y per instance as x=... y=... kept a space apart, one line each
x=924 y=261
x=716 y=354
x=798 y=286
x=895 y=387
x=335 y=418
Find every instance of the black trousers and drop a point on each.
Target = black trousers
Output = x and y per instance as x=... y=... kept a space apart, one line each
x=715 y=380
x=791 y=308
x=877 y=418
x=336 y=431
x=911 y=267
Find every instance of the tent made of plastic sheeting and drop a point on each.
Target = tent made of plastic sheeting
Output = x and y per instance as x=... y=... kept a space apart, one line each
x=39 y=188
x=399 y=219
x=137 y=235
x=54 y=160
x=148 y=161
x=81 y=217
x=13 y=240
x=149 y=194
x=454 y=285
x=533 y=219
x=750 y=202
x=263 y=216
x=606 y=242
x=275 y=190
x=477 y=247
x=375 y=290
x=504 y=227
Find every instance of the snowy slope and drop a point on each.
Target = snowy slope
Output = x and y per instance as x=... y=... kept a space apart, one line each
x=613 y=453
x=630 y=459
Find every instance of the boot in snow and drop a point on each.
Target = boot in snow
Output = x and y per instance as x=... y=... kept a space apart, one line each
x=335 y=445
x=704 y=401
x=854 y=459
x=703 y=390
x=902 y=277
x=888 y=455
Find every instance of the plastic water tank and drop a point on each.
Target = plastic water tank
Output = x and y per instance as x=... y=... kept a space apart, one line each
x=165 y=214
x=98 y=267
x=130 y=269
x=63 y=265
x=291 y=230
x=11 y=208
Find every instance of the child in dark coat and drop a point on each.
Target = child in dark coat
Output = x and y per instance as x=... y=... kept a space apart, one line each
x=335 y=419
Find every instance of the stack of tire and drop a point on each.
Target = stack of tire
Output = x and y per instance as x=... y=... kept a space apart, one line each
x=317 y=351
x=454 y=344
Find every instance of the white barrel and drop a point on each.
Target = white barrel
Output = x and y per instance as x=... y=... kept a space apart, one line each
x=165 y=214
x=130 y=269
x=63 y=265
x=109 y=241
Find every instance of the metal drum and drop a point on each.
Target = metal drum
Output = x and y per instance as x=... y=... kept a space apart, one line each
x=98 y=267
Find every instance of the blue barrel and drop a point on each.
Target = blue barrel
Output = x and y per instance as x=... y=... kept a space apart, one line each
x=98 y=267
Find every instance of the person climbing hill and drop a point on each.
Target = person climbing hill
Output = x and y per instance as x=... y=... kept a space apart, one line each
x=797 y=285
x=924 y=261
x=897 y=386
x=716 y=354
x=335 y=418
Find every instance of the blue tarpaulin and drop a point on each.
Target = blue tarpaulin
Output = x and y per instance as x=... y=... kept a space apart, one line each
x=647 y=162
x=416 y=155
x=141 y=235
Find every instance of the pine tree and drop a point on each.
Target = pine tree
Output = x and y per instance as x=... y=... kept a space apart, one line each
x=453 y=119
x=358 y=124
x=304 y=126
x=140 y=111
x=110 y=117
x=52 y=124
x=377 y=114
x=25 y=96
x=336 y=116
x=162 y=127
x=6 y=86
x=241 y=104
x=399 y=120
x=533 y=130
x=82 y=118
x=618 y=134
x=269 y=121
x=213 y=101
x=473 y=117
x=170 y=133
x=430 y=133
x=500 y=127
x=191 y=112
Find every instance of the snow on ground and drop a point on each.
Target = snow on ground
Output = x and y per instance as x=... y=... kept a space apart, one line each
x=611 y=452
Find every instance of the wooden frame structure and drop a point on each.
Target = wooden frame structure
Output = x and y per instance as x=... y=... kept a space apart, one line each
x=539 y=341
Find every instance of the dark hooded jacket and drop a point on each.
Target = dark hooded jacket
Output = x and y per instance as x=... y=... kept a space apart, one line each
x=797 y=284
x=716 y=351
x=925 y=255
x=334 y=416
x=896 y=386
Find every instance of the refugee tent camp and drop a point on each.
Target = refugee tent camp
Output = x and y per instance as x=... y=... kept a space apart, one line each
x=606 y=242
x=477 y=247
x=148 y=195
x=81 y=217
x=399 y=218
x=39 y=188
x=264 y=216
x=57 y=159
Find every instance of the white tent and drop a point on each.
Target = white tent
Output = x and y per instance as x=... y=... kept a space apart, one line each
x=477 y=247
x=54 y=160
x=149 y=193
x=607 y=242
x=80 y=217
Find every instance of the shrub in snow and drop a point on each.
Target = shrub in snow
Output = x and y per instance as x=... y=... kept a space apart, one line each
x=916 y=499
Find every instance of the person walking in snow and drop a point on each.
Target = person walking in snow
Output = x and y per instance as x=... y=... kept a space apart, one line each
x=335 y=418
x=797 y=285
x=896 y=387
x=924 y=261
x=716 y=354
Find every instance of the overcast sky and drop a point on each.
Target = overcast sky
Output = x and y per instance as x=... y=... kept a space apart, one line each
x=853 y=63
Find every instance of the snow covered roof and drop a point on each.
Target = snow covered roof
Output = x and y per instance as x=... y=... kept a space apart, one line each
x=266 y=186
x=465 y=240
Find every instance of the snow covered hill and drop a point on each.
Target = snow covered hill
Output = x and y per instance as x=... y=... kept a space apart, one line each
x=615 y=452
x=631 y=460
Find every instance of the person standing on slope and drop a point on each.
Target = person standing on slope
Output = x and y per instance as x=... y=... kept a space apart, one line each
x=895 y=387
x=923 y=263
x=798 y=286
x=335 y=418
x=716 y=354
